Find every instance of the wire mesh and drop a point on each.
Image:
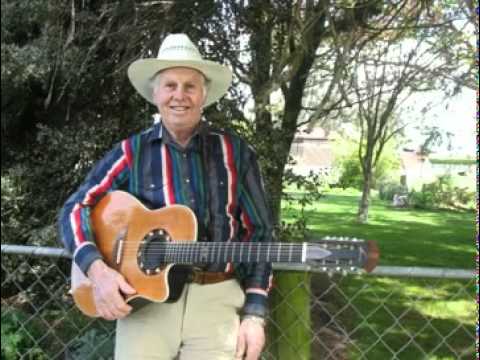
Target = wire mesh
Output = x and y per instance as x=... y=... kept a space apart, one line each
x=349 y=316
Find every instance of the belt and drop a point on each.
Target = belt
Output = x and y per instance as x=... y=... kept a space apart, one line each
x=207 y=277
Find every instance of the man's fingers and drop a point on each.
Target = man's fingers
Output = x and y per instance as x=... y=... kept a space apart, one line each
x=125 y=287
x=105 y=312
x=240 y=346
x=111 y=304
x=251 y=339
x=253 y=352
x=120 y=307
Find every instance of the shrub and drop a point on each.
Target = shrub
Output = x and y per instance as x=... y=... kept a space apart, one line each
x=16 y=340
x=348 y=164
x=442 y=194
x=386 y=190
x=421 y=199
x=93 y=344
x=351 y=174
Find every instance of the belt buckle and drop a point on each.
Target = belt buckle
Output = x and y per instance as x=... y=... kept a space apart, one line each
x=196 y=275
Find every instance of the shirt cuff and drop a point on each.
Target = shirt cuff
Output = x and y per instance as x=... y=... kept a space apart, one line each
x=255 y=304
x=85 y=255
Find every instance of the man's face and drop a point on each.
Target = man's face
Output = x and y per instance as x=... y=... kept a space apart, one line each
x=179 y=94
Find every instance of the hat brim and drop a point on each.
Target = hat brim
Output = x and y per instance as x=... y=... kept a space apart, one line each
x=142 y=71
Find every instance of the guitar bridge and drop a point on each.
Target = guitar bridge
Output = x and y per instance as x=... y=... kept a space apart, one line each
x=118 y=250
x=118 y=256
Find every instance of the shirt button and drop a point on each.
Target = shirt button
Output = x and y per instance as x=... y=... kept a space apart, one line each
x=185 y=156
x=187 y=180
x=152 y=186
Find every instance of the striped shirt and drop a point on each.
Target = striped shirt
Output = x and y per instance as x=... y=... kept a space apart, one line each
x=157 y=171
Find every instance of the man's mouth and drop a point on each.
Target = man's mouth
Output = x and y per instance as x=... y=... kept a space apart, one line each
x=179 y=108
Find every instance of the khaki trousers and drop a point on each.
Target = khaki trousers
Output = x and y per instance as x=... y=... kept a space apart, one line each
x=202 y=325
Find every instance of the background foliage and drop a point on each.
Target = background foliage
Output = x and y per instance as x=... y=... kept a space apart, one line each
x=66 y=98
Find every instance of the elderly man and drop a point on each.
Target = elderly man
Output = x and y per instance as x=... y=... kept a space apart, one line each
x=181 y=160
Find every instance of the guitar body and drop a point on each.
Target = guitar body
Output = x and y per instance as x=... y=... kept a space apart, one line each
x=123 y=229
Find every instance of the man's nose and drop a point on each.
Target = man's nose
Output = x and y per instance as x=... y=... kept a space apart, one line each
x=179 y=93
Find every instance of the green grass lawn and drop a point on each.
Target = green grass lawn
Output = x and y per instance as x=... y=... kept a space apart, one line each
x=394 y=317
x=405 y=237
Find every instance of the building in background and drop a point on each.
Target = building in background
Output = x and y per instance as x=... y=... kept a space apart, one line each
x=312 y=152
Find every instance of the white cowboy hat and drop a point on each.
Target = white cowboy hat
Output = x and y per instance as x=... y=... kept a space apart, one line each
x=177 y=50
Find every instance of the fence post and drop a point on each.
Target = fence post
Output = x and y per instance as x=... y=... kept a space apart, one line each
x=291 y=314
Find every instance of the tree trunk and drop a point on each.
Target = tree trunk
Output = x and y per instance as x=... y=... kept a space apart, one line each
x=291 y=334
x=362 y=215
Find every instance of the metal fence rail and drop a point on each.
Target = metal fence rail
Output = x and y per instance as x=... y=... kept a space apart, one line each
x=393 y=313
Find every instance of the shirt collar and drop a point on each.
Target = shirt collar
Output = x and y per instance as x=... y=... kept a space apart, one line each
x=155 y=132
x=160 y=133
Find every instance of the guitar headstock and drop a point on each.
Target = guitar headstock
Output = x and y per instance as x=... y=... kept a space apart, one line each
x=346 y=254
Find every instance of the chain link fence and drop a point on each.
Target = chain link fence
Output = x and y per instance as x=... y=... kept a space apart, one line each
x=392 y=313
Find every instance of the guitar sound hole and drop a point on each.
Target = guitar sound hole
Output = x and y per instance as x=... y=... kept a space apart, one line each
x=151 y=253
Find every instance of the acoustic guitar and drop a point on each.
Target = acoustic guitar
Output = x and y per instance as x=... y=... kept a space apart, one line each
x=155 y=250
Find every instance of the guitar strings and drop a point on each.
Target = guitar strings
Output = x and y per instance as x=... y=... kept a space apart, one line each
x=224 y=247
x=189 y=252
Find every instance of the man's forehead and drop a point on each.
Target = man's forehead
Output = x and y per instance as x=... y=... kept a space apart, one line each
x=180 y=71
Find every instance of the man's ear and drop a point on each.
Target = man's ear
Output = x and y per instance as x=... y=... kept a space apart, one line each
x=206 y=86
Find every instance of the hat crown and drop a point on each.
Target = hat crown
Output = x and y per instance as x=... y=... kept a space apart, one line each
x=178 y=47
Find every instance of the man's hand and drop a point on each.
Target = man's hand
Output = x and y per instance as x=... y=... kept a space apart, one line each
x=251 y=338
x=109 y=285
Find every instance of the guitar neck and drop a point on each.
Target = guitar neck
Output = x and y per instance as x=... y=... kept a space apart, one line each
x=327 y=252
x=220 y=252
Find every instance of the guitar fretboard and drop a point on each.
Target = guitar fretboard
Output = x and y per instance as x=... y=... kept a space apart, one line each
x=218 y=252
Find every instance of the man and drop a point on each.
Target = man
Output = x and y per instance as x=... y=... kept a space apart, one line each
x=181 y=160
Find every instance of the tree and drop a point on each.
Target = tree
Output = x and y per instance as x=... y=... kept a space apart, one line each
x=454 y=39
x=279 y=41
x=66 y=98
x=434 y=136
x=63 y=78
x=383 y=73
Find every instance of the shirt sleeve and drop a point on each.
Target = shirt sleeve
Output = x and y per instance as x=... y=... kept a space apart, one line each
x=74 y=223
x=257 y=224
